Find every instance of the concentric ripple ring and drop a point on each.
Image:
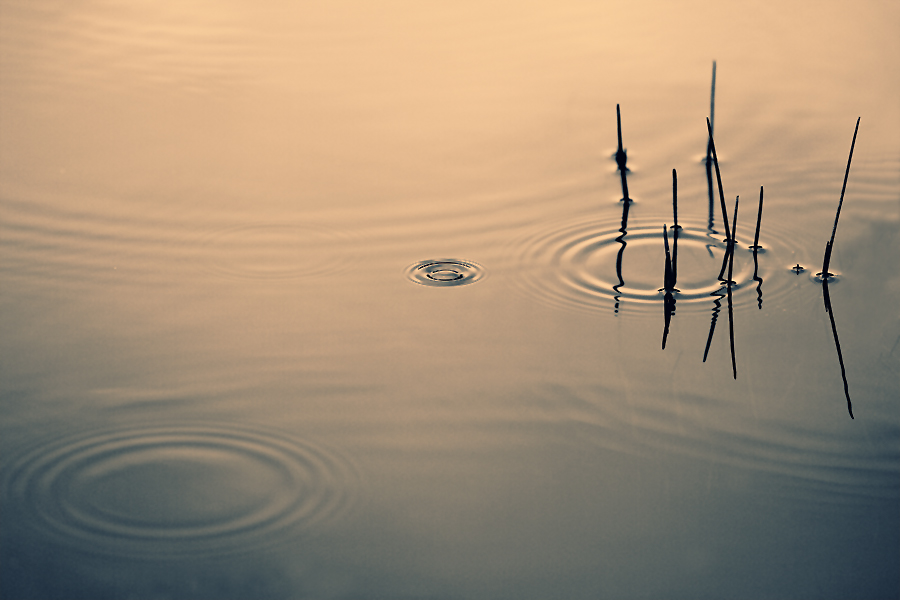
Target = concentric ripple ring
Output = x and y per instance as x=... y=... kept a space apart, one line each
x=592 y=265
x=164 y=491
x=445 y=272
x=277 y=251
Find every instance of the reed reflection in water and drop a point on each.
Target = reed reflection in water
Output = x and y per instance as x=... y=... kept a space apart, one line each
x=217 y=379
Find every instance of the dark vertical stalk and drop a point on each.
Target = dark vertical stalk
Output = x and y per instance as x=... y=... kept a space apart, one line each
x=729 y=250
x=733 y=241
x=756 y=245
x=830 y=246
x=620 y=153
x=712 y=110
x=675 y=228
x=709 y=186
x=675 y=199
x=712 y=144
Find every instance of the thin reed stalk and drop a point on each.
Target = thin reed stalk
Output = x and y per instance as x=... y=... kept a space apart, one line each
x=830 y=245
x=675 y=199
x=756 y=245
x=621 y=158
x=712 y=144
x=712 y=110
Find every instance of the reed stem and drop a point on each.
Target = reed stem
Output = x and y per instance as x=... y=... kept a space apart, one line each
x=830 y=246
x=755 y=245
x=675 y=199
x=712 y=109
x=712 y=144
x=621 y=158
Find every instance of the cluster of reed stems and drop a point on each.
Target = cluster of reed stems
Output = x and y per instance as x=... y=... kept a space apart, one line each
x=670 y=276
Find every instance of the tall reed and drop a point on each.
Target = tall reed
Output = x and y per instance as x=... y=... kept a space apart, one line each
x=830 y=245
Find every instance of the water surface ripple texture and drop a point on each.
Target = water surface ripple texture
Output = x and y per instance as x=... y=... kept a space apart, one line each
x=445 y=272
x=182 y=490
x=276 y=251
x=591 y=265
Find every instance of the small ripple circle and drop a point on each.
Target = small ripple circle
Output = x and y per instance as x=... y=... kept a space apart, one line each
x=445 y=272
x=179 y=490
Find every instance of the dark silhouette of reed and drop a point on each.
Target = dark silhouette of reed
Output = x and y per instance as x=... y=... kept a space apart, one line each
x=727 y=283
x=837 y=344
x=830 y=245
x=621 y=158
x=676 y=226
x=709 y=166
x=710 y=224
x=712 y=119
x=712 y=145
x=756 y=245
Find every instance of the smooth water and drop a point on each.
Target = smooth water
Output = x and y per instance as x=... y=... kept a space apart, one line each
x=341 y=300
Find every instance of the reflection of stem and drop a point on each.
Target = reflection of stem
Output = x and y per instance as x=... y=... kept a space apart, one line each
x=669 y=278
x=621 y=240
x=731 y=316
x=728 y=285
x=669 y=308
x=837 y=344
x=756 y=277
x=621 y=158
x=717 y=305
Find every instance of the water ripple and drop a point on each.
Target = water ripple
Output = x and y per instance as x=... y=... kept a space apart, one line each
x=445 y=272
x=591 y=265
x=277 y=251
x=183 y=490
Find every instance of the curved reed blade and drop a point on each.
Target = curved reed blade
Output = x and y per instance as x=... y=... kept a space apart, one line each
x=830 y=246
x=756 y=245
x=712 y=145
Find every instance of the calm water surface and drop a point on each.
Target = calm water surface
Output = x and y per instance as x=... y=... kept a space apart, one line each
x=343 y=301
